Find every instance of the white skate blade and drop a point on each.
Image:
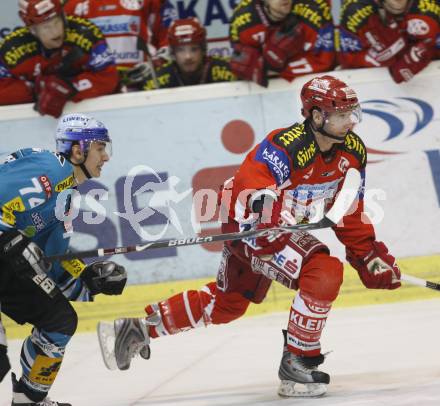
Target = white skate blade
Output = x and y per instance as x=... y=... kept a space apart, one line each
x=289 y=389
x=106 y=338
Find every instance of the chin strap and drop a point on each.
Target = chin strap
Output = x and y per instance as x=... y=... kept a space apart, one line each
x=84 y=169
x=325 y=133
x=82 y=166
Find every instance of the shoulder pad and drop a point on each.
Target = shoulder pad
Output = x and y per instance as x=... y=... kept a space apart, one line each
x=243 y=5
x=300 y=145
x=58 y=170
x=164 y=76
x=82 y=33
x=355 y=13
x=243 y=16
x=18 y=46
x=356 y=147
x=423 y=7
x=219 y=60
x=315 y=13
x=220 y=70
x=46 y=171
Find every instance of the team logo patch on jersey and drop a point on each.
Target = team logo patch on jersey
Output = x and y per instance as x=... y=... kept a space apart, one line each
x=353 y=144
x=343 y=164
x=306 y=154
x=74 y=266
x=38 y=221
x=4 y=72
x=327 y=174
x=325 y=41
x=348 y=42
x=66 y=183
x=115 y=25
x=417 y=26
x=44 y=180
x=276 y=160
x=15 y=204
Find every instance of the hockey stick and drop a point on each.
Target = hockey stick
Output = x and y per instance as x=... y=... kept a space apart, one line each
x=419 y=282
x=341 y=206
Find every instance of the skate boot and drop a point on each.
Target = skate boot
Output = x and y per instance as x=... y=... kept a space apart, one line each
x=124 y=339
x=20 y=399
x=299 y=375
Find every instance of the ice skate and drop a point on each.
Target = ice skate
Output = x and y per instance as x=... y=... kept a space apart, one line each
x=20 y=399
x=125 y=338
x=299 y=376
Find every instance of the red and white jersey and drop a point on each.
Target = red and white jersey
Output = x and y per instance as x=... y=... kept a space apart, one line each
x=289 y=162
x=132 y=28
x=251 y=26
x=421 y=23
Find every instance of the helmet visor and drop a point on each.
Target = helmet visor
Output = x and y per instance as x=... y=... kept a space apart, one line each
x=347 y=117
x=103 y=147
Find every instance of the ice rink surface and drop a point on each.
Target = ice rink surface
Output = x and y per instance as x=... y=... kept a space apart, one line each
x=382 y=355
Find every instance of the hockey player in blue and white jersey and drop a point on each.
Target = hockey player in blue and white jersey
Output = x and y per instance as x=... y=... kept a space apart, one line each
x=32 y=181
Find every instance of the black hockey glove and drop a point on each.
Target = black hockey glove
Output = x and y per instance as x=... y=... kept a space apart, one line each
x=105 y=277
x=5 y=366
x=137 y=75
x=20 y=253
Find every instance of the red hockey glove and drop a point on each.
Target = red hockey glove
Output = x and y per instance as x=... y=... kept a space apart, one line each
x=283 y=44
x=378 y=270
x=52 y=93
x=275 y=242
x=248 y=64
x=416 y=58
x=386 y=40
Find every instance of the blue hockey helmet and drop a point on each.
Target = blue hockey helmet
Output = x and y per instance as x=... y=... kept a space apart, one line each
x=80 y=129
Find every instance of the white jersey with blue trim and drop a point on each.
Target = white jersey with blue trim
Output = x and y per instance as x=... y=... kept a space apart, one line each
x=31 y=182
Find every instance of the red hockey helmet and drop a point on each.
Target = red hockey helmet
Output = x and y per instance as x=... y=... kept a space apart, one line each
x=328 y=94
x=186 y=31
x=37 y=11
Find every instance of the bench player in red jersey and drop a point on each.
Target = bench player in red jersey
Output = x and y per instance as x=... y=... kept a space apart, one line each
x=54 y=59
x=287 y=37
x=399 y=34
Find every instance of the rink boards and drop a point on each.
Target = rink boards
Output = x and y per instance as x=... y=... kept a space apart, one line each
x=353 y=293
x=175 y=147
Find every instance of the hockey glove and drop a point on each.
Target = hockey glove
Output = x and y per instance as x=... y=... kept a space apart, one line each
x=378 y=269
x=248 y=64
x=105 y=277
x=137 y=75
x=5 y=366
x=270 y=244
x=52 y=94
x=283 y=44
x=412 y=62
x=20 y=253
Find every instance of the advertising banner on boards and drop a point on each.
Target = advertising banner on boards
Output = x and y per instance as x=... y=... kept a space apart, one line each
x=170 y=159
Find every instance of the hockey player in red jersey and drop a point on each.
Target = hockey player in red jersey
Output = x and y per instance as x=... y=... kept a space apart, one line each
x=54 y=59
x=297 y=171
x=190 y=65
x=398 y=34
x=289 y=37
x=134 y=31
